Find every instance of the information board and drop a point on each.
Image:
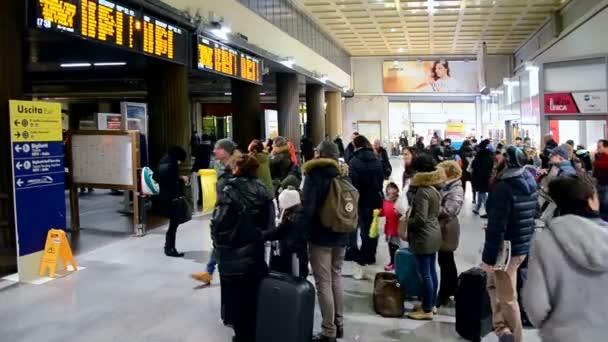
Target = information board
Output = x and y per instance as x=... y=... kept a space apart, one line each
x=222 y=59
x=38 y=178
x=112 y=23
x=102 y=159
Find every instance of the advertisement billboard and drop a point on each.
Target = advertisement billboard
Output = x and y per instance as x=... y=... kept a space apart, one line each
x=438 y=76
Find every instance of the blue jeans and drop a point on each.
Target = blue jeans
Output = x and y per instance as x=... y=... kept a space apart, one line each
x=428 y=271
x=482 y=197
x=212 y=263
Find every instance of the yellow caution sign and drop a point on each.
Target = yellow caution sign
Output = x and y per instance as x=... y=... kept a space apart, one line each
x=35 y=121
x=209 y=188
x=56 y=247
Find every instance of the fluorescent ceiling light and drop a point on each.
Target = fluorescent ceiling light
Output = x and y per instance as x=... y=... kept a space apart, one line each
x=324 y=78
x=262 y=94
x=110 y=64
x=75 y=65
x=226 y=29
x=393 y=29
x=400 y=49
x=227 y=94
x=288 y=62
x=220 y=33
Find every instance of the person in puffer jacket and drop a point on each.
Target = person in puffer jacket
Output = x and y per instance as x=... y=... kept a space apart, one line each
x=512 y=209
x=565 y=293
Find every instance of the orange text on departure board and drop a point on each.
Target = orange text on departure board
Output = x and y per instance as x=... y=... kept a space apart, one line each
x=225 y=61
x=58 y=12
x=249 y=69
x=159 y=38
x=105 y=21
x=205 y=57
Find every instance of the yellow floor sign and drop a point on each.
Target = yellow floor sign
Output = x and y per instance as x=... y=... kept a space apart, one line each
x=56 y=247
x=208 y=188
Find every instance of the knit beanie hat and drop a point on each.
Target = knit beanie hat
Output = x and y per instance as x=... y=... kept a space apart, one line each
x=289 y=198
x=515 y=157
x=451 y=168
x=424 y=163
x=562 y=152
x=226 y=145
x=328 y=149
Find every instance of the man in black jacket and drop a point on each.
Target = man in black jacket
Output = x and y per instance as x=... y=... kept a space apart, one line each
x=350 y=148
x=326 y=247
x=545 y=156
x=366 y=173
x=380 y=151
x=512 y=209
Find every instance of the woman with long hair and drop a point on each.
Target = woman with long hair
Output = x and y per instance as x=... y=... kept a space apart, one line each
x=256 y=149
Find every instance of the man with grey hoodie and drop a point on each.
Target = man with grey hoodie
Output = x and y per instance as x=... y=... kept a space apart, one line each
x=565 y=294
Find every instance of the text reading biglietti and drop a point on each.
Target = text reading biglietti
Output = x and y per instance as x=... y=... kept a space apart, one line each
x=115 y=24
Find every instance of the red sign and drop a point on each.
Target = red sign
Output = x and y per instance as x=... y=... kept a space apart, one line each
x=560 y=103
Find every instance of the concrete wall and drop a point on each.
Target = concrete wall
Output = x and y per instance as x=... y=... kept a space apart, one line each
x=365 y=108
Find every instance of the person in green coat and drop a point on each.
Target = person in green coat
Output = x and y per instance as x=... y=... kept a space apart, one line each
x=424 y=231
x=256 y=149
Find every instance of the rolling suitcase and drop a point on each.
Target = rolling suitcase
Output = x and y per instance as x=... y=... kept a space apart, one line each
x=286 y=306
x=406 y=269
x=473 y=309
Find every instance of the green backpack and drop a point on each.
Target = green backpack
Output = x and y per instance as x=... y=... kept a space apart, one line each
x=340 y=211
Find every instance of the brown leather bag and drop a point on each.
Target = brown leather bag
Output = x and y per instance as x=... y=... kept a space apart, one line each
x=388 y=296
x=403 y=221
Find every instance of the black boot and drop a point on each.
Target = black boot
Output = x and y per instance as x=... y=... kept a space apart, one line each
x=340 y=332
x=323 y=338
x=172 y=252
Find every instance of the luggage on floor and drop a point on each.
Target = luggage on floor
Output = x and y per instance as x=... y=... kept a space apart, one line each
x=473 y=309
x=286 y=307
x=388 y=296
x=406 y=269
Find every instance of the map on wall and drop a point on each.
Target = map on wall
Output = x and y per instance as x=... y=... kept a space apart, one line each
x=438 y=76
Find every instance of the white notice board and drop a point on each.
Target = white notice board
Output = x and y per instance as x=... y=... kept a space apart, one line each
x=102 y=159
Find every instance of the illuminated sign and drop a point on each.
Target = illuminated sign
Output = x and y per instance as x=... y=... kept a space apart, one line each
x=112 y=23
x=225 y=60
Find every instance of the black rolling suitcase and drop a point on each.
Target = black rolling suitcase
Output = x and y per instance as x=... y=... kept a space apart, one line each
x=286 y=306
x=473 y=309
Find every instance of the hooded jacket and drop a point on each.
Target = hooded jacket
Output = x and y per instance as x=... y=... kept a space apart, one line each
x=319 y=175
x=483 y=167
x=366 y=173
x=171 y=186
x=565 y=294
x=280 y=163
x=451 y=204
x=600 y=169
x=240 y=218
x=424 y=232
x=512 y=209
x=264 y=170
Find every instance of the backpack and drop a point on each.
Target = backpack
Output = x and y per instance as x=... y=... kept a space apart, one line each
x=340 y=210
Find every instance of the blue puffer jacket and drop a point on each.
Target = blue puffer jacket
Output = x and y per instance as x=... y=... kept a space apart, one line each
x=512 y=208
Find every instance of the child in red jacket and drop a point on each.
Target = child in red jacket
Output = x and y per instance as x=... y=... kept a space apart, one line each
x=391 y=228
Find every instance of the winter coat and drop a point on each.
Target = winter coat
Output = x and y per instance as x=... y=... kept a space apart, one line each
x=340 y=145
x=466 y=155
x=585 y=158
x=366 y=173
x=349 y=152
x=566 y=169
x=291 y=233
x=319 y=173
x=437 y=152
x=171 y=186
x=308 y=150
x=224 y=171
x=512 y=209
x=452 y=199
x=388 y=211
x=387 y=169
x=545 y=156
x=264 y=170
x=565 y=293
x=202 y=157
x=280 y=163
x=600 y=169
x=240 y=218
x=449 y=153
x=483 y=167
x=424 y=232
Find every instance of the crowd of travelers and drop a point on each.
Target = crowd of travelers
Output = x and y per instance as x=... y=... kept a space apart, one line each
x=546 y=210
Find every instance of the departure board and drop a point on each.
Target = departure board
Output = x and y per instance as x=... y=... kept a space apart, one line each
x=222 y=59
x=112 y=23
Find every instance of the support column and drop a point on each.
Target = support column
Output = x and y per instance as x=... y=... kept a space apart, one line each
x=169 y=109
x=333 y=114
x=315 y=109
x=288 y=103
x=246 y=113
x=11 y=87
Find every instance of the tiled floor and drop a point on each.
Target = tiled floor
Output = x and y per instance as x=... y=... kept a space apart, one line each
x=131 y=292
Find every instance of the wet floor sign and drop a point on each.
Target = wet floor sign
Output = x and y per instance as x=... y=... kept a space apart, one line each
x=56 y=247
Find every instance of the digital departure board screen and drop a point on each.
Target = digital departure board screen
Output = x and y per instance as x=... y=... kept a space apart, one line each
x=225 y=60
x=115 y=24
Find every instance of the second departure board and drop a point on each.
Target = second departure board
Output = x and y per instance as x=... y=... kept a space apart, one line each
x=225 y=60
x=115 y=24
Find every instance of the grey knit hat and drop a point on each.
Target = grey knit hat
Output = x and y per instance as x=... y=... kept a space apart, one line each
x=226 y=145
x=328 y=149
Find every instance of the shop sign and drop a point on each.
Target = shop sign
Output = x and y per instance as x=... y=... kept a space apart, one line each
x=576 y=103
x=38 y=174
x=455 y=130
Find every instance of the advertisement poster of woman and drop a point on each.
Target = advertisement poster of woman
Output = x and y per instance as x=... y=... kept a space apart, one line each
x=439 y=76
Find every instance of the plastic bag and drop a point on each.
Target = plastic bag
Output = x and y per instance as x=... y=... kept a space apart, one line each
x=402 y=205
x=373 y=230
x=148 y=185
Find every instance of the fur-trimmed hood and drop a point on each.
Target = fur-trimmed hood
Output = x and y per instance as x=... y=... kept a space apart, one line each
x=452 y=169
x=325 y=162
x=435 y=178
x=279 y=150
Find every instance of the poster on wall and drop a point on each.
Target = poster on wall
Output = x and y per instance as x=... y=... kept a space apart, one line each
x=438 y=76
x=136 y=116
x=271 y=123
x=576 y=103
x=455 y=130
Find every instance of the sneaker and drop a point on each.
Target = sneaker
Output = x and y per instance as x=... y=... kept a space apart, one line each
x=203 y=277
x=323 y=338
x=484 y=216
x=475 y=211
x=420 y=316
x=358 y=275
x=172 y=252
x=389 y=267
x=418 y=308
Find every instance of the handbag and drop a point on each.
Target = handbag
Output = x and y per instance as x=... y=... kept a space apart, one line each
x=403 y=222
x=182 y=211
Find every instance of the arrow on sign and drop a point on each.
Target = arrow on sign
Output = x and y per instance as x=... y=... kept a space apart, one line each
x=18 y=165
x=18 y=148
x=18 y=135
x=19 y=182
x=16 y=122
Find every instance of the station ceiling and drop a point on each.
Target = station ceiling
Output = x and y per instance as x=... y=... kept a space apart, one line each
x=408 y=27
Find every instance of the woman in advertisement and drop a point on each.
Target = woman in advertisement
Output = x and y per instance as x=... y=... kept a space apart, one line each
x=440 y=79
